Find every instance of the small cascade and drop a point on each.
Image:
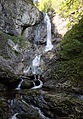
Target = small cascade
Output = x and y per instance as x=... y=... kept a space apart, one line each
x=39 y=86
x=49 y=45
x=14 y=116
x=19 y=85
x=16 y=48
x=26 y=70
x=36 y=64
x=36 y=70
x=34 y=84
x=39 y=111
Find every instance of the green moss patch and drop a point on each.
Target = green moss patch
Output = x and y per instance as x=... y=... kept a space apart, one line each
x=71 y=67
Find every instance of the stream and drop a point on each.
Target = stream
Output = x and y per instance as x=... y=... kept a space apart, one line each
x=35 y=67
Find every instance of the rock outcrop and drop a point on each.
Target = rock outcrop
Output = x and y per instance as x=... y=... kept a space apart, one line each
x=18 y=21
x=17 y=15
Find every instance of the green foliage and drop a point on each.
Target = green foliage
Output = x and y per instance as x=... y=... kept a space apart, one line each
x=66 y=8
x=71 y=66
x=29 y=1
x=72 y=9
x=46 y=5
x=73 y=41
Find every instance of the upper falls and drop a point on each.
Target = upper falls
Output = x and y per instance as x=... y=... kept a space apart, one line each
x=49 y=45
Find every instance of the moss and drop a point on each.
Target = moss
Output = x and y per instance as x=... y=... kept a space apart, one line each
x=6 y=57
x=6 y=37
x=29 y=1
x=72 y=43
x=71 y=67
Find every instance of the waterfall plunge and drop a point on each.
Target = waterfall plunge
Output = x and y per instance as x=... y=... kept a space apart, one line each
x=36 y=70
x=49 y=45
x=36 y=64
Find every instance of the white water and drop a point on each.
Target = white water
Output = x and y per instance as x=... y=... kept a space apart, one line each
x=36 y=64
x=49 y=45
x=34 y=84
x=16 y=48
x=19 y=85
x=37 y=109
x=14 y=116
x=35 y=87
x=36 y=68
x=26 y=70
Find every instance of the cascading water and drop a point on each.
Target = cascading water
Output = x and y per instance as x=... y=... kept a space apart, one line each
x=36 y=64
x=36 y=68
x=26 y=70
x=37 y=109
x=14 y=116
x=19 y=85
x=49 y=45
x=39 y=86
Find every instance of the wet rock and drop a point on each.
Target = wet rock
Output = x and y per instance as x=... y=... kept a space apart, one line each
x=3 y=108
x=3 y=87
x=41 y=33
x=56 y=105
x=29 y=33
x=27 y=84
x=17 y=18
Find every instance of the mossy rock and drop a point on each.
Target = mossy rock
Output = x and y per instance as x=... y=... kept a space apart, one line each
x=29 y=1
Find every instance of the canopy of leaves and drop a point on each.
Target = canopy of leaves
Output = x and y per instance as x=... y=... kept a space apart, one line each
x=66 y=8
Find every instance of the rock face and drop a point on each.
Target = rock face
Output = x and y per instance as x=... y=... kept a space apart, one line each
x=17 y=18
x=17 y=15
x=21 y=26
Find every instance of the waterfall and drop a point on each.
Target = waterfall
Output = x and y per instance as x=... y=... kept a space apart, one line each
x=36 y=64
x=19 y=85
x=14 y=116
x=39 y=86
x=37 y=109
x=26 y=70
x=49 y=45
x=16 y=48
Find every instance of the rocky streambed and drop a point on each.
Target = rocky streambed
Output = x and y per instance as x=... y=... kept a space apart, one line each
x=40 y=104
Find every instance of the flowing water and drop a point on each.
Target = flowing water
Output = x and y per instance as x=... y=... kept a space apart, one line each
x=19 y=85
x=14 y=116
x=36 y=69
x=49 y=45
x=36 y=64
x=39 y=86
x=37 y=109
x=26 y=70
